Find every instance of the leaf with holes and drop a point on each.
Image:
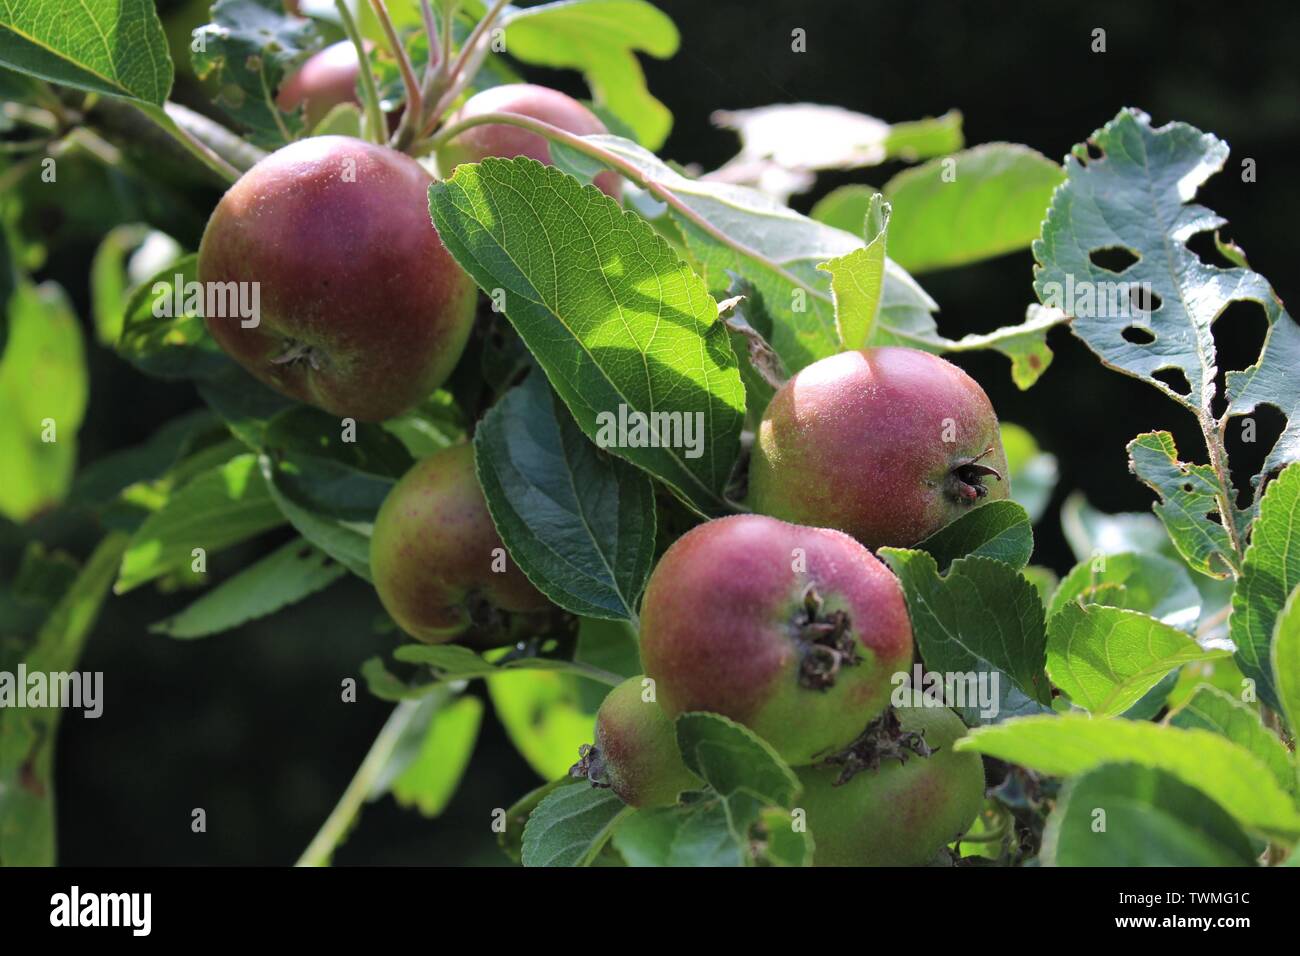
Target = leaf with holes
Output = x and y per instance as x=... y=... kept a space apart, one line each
x=1154 y=315
x=245 y=54
x=1189 y=495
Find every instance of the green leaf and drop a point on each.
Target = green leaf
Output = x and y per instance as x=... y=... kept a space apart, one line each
x=43 y=391
x=845 y=207
x=1033 y=472
x=511 y=837
x=1272 y=381
x=1286 y=659
x=580 y=523
x=997 y=529
x=1107 y=658
x=571 y=825
x=223 y=506
x=329 y=479
x=288 y=574
x=453 y=662
x=1073 y=744
x=432 y=771
x=1138 y=197
x=617 y=321
x=244 y=55
x=1091 y=532
x=779 y=842
x=858 y=278
x=972 y=205
x=543 y=716
x=610 y=646
x=983 y=620
x=1211 y=709
x=99 y=483
x=27 y=799
x=105 y=46
x=1151 y=818
x=1139 y=581
x=731 y=230
x=112 y=274
x=646 y=837
x=1188 y=496
x=747 y=775
x=598 y=37
x=734 y=761
x=1269 y=573
x=163 y=340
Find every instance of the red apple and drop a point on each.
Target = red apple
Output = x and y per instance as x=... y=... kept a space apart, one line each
x=436 y=558
x=795 y=632
x=325 y=80
x=362 y=311
x=885 y=444
x=539 y=102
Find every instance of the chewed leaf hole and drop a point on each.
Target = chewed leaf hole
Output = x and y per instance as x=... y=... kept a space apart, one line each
x=1137 y=335
x=1113 y=258
x=1174 y=378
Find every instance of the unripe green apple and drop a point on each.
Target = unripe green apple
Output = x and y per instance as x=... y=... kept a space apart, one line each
x=635 y=752
x=360 y=308
x=526 y=99
x=325 y=80
x=436 y=558
x=899 y=814
x=793 y=631
x=886 y=444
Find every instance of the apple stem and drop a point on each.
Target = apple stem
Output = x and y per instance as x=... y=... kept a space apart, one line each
x=374 y=117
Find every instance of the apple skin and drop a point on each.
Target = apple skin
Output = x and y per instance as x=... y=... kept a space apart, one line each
x=899 y=814
x=636 y=750
x=723 y=630
x=325 y=80
x=856 y=442
x=350 y=269
x=526 y=99
x=431 y=552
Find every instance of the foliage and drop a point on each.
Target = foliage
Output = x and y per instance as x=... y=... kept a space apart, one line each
x=691 y=299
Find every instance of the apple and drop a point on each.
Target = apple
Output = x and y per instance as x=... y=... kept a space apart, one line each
x=886 y=444
x=526 y=99
x=795 y=632
x=439 y=566
x=361 y=310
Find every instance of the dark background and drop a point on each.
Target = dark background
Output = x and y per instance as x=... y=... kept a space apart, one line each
x=248 y=724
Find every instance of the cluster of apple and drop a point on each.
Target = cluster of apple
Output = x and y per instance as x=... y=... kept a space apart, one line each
x=780 y=619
